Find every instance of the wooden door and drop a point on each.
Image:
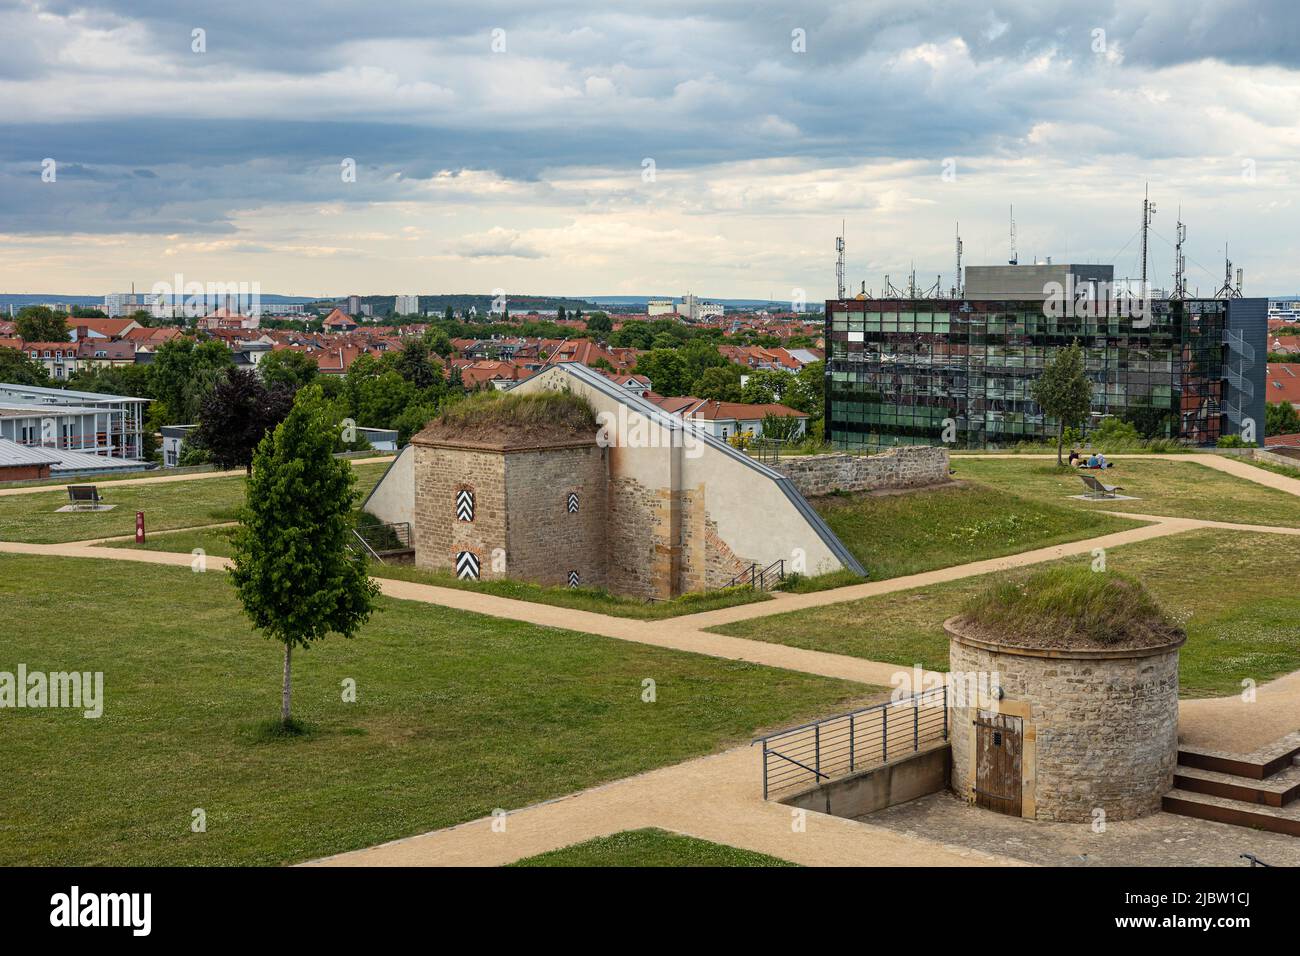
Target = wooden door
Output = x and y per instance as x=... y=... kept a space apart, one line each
x=998 y=748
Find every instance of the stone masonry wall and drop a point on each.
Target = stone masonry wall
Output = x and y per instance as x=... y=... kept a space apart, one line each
x=907 y=466
x=544 y=540
x=707 y=560
x=440 y=473
x=1106 y=729
x=636 y=545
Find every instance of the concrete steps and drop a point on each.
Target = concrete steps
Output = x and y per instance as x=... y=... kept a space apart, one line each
x=1259 y=790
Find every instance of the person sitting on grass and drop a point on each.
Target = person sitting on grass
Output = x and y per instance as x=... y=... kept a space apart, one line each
x=1074 y=458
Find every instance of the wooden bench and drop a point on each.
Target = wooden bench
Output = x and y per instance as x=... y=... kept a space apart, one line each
x=84 y=496
x=1099 y=489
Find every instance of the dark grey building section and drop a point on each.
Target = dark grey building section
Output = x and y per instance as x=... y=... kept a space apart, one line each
x=1030 y=282
x=1245 y=338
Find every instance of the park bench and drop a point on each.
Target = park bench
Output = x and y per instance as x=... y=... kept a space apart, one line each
x=84 y=496
x=1099 y=489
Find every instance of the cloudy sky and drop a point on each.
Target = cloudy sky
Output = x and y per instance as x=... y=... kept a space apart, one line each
x=638 y=148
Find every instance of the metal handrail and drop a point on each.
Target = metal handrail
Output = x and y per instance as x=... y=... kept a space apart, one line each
x=847 y=742
x=366 y=544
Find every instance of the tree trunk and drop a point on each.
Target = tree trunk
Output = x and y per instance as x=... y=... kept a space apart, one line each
x=288 y=679
x=1060 y=438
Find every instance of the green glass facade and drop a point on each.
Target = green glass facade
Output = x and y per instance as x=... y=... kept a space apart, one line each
x=899 y=370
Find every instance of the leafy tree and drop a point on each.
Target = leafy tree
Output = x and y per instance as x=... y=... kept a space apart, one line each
x=374 y=396
x=1063 y=392
x=439 y=342
x=40 y=323
x=767 y=387
x=86 y=312
x=720 y=384
x=666 y=371
x=1281 y=418
x=287 y=368
x=183 y=372
x=783 y=427
x=414 y=365
x=237 y=414
x=808 y=393
x=599 y=323
x=450 y=315
x=559 y=314
x=18 y=369
x=293 y=571
x=142 y=317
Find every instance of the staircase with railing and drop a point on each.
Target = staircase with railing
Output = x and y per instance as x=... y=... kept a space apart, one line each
x=383 y=542
x=760 y=578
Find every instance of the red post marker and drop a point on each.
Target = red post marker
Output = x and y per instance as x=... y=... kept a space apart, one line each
x=139 y=527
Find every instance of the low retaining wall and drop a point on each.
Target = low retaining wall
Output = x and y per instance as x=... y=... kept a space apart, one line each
x=887 y=785
x=908 y=466
x=1281 y=457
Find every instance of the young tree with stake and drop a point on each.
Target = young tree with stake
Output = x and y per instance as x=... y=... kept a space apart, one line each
x=292 y=569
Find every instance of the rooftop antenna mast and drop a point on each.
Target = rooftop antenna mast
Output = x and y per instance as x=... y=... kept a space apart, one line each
x=957 y=289
x=1015 y=256
x=839 y=263
x=1226 y=291
x=1180 y=261
x=1148 y=211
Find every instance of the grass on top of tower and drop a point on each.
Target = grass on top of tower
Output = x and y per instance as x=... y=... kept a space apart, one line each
x=486 y=416
x=1069 y=606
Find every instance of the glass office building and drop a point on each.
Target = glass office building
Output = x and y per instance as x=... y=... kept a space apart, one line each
x=905 y=371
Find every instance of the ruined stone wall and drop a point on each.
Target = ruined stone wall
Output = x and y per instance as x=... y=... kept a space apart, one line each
x=545 y=541
x=907 y=466
x=638 y=546
x=440 y=473
x=1100 y=733
x=707 y=560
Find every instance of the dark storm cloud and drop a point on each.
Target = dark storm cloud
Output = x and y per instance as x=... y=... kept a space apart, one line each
x=696 y=85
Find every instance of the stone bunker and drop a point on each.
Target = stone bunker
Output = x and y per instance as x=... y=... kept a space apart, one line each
x=1080 y=723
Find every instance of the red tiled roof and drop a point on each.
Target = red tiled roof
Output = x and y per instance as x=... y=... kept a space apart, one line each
x=1292 y=440
x=1283 y=382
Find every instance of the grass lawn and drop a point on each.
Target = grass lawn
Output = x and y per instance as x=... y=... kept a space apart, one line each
x=1163 y=486
x=650 y=847
x=899 y=534
x=456 y=715
x=216 y=542
x=35 y=518
x=1235 y=593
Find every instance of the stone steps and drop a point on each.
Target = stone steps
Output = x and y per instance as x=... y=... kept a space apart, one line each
x=1275 y=791
x=1259 y=789
x=1225 y=810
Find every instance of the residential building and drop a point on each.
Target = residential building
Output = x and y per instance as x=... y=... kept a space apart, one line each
x=660 y=307
x=121 y=303
x=1283 y=383
x=173 y=437
x=407 y=305
x=339 y=321
x=961 y=371
x=725 y=419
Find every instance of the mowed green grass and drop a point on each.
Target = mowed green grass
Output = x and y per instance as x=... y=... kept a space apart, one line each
x=899 y=534
x=1235 y=593
x=650 y=847
x=456 y=715
x=1171 y=487
x=35 y=518
x=217 y=542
